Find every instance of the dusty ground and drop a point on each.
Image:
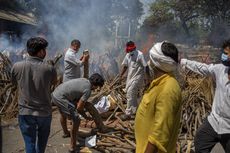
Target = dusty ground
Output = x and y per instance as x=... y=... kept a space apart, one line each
x=13 y=142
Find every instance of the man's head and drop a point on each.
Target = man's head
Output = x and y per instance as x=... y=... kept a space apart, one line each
x=164 y=56
x=130 y=46
x=96 y=81
x=36 y=46
x=170 y=50
x=75 y=45
x=225 y=56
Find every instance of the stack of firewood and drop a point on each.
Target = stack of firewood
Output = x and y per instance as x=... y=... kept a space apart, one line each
x=197 y=94
x=8 y=93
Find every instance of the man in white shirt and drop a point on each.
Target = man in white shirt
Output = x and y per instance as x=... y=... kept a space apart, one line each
x=216 y=128
x=71 y=63
x=135 y=63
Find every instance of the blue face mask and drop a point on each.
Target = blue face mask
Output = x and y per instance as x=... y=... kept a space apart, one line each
x=225 y=59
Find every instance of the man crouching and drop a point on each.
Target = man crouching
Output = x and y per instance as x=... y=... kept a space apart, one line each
x=70 y=97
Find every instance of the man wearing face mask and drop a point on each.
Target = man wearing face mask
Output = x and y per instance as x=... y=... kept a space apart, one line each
x=216 y=128
x=34 y=78
x=135 y=63
x=71 y=63
x=157 y=120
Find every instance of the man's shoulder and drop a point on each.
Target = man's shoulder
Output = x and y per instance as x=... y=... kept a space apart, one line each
x=171 y=84
x=69 y=54
x=140 y=53
x=18 y=64
x=48 y=67
x=77 y=80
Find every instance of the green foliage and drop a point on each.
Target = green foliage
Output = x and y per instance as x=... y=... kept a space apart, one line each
x=192 y=19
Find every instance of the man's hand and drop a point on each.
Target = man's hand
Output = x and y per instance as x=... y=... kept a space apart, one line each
x=80 y=105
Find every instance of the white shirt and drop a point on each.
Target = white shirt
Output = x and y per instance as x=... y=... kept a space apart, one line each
x=219 y=117
x=72 y=65
x=136 y=65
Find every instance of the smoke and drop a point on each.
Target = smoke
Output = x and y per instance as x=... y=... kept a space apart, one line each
x=90 y=21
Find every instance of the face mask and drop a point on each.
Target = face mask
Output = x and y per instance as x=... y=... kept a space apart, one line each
x=225 y=59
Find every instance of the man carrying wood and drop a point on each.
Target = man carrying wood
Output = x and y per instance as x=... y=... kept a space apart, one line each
x=70 y=97
x=157 y=120
x=71 y=63
x=135 y=63
x=34 y=79
x=216 y=128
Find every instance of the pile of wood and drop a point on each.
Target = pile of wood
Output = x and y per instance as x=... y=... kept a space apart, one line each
x=119 y=136
x=8 y=93
x=197 y=94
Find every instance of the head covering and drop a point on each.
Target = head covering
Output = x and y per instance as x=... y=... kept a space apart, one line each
x=130 y=46
x=158 y=59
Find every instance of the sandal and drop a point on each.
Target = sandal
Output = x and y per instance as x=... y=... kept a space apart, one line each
x=66 y=135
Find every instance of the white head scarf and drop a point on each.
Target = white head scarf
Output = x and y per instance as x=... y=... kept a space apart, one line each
x=165 y=63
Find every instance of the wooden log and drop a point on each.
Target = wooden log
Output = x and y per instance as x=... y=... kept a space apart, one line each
x=6 y=101
x=86 y=65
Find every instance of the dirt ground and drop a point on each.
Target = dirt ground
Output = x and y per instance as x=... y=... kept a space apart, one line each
x=13 y=142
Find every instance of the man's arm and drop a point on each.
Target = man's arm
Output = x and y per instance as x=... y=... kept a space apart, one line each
x=84 y=58
x=123 y=70
x=72 y=59
x=80 y=105
x=197 y=67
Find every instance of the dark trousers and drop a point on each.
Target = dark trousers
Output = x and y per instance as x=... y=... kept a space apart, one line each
x=35 y=131
x=206 y=138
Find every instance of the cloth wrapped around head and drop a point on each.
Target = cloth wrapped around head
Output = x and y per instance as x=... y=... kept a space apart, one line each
x=158 y=59
x=130 y=46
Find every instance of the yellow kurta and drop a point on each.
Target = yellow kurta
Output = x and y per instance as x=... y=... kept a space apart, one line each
x=158 y=116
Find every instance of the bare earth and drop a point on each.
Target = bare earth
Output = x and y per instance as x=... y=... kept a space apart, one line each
x=13 y=141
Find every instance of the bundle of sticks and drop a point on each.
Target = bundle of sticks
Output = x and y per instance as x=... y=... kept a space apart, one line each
x=8 y=93
x=197 y=94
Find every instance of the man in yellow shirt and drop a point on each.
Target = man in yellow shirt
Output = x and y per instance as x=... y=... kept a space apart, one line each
x=158 y=116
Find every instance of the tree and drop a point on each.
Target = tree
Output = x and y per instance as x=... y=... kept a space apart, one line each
x=197 y=18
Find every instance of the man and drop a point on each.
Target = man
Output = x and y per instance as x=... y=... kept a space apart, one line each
x=216 y=128
x=70 y=97
x=34 y=78
x=135 y=63
x=71 y=63
x=157 y=120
